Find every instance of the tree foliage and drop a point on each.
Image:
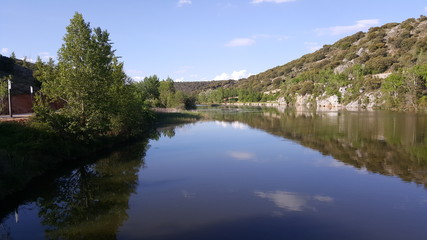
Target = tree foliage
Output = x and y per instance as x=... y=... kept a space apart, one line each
x=3 y=91
x=90 y=83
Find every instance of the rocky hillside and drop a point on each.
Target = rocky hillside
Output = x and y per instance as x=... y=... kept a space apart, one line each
x=385 y=67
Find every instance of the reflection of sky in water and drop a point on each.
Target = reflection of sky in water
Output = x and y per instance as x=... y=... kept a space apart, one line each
x=292 y=201
x=235 y=124
x=225 y=174
x=226 y=180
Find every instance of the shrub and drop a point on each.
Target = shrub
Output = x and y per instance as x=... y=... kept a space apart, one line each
x=379 y=64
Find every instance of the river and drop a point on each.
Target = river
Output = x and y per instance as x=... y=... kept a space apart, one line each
x=243 y=173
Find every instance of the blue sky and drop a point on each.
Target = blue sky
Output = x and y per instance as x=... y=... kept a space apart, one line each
x=196 y=40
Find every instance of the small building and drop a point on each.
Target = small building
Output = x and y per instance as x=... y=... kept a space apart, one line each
x=22 y=82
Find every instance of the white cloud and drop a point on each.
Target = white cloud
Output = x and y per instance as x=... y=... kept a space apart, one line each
x=240 y=42
x=138 y=78
x=313 y=46
x=181 y=3
x=361 y=25
x=4 y=50
x=28 y=59
x=272 y=1
x=235 y=75
x=425 y=9
x=181 y=79
x=45 y=56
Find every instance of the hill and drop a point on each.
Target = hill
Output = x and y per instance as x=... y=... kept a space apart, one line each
x=197 y=87
x=21 y=73
x=384 y=67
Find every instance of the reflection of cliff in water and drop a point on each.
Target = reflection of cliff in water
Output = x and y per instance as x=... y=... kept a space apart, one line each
x=388 y=143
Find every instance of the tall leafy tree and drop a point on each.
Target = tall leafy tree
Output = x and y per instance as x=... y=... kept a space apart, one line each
x=90 y=83
x=167 y=92
x=151 y=86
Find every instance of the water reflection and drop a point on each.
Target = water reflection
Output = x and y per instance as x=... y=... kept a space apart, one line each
x=236 y=125
x=293 y=201
x=90 y=202
x=389 y=143
x=224 y=179
x=242 y=155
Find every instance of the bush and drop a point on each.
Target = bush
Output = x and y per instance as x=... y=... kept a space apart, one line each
x=379 y=64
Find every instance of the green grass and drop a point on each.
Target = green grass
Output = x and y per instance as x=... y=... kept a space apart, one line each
x=172 y=118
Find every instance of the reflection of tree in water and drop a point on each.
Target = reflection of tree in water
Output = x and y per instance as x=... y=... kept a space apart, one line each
x=91 y=202
x=388 y=143
x=5 y=232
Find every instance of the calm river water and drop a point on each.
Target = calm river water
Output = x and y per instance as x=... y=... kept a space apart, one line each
x=248 y=173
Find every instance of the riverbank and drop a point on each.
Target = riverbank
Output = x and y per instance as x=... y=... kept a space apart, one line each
x=29 y=149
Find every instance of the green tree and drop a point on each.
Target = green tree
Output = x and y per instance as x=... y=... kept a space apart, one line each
x=90 y=82
x=151 y=86
x=3 y=91
x=13 y=56
x=167 y=92
x=148 y=90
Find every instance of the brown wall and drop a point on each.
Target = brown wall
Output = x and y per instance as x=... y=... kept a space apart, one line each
x=21 y=103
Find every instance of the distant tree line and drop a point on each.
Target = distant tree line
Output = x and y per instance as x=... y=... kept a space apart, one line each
x=162 y=93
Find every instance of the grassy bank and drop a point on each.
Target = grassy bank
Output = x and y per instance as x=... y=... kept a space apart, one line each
x=165 y=118
x=29 y=149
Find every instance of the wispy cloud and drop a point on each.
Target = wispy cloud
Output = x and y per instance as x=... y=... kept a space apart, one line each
x=425 y=9
x=271 y=1
x=235 y=75
x=4 y=50
x=183 y=69
x=240 y=42
x=313 y=46
x=248 y=41
x=361 y=25
x=181 y=79
x=182 y=3
x=45 y=56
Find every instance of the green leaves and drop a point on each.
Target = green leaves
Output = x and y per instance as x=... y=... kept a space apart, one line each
x=90 y=83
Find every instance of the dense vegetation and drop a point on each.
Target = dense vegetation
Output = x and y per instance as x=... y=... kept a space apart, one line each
x=155 y=93
x=383 y=67
x=89 y=82
x=197 y=87
x=86 y=105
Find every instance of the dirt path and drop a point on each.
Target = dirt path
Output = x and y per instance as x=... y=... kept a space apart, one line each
x=16 y=117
